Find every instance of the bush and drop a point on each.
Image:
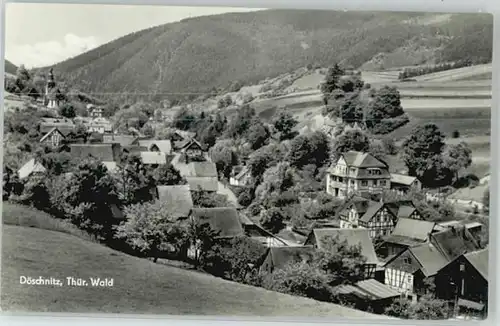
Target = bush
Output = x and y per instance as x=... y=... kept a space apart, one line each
x=272 y=220
x=246 y=197
x=455 y=134
x=300 y=279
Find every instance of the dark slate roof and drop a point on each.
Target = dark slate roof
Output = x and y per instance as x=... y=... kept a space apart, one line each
x=362 y=160
x=401 y=209
x=178 y=197
x=454 y=242
x=353 y=237
x=224 y=220
x=280 y=256
x=123 y=140
x=414 y=229
x=479 y=259
x=430 y=258
x=193 y=143
x=402 y=240
x=102 y=152
x=373 y=209
x=203 y=169
x=65 y=126
x=361 y=204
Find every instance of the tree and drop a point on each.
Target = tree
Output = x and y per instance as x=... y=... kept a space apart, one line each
x=35 y=193
x=278 y=178
x=344 y=264
x=257 y=135
x=240 y=124
x=351 y=140
x=389 y=145
x=384 y=112
x=272 y=220
x=331 y=81
x=224 y=157
x=457 y=158
x=167 y=175
x=300 y=151
x=320 y=148
x=349 y=84
x=151 y=229
x=237 y=259
x=134 y=180
x=86 y=197
x=201 y=238
x=209 y=199
x=67 y=110
x=184 y=119
x=284 y=124
x=23 y=74
x=422 y=151
x=299 y=278
x=56 y=163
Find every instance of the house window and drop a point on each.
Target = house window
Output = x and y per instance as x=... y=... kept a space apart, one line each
x=353 y=170
x=407 y=260
x=382 y=182
x=462 y=267
x=352 y=182
x=374 y=182
x=364 y=183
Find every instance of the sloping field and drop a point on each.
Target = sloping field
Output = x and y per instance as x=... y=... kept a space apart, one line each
x=140 y=286
x=458 y=74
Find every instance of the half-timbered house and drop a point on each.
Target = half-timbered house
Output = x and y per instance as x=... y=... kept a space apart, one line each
x=53 y=138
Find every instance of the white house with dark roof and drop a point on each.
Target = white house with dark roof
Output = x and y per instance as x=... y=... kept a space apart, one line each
x=240 y=176
x=153 y=145
x=357 y=172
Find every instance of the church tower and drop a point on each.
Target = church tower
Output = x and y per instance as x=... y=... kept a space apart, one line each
x=51 y=100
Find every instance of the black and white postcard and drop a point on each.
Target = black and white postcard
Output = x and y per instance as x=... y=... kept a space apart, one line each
x=246 y=162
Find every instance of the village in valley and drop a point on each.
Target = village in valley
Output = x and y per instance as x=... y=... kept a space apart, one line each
x=347 y=199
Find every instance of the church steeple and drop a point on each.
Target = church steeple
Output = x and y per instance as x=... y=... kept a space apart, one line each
x=51 y=83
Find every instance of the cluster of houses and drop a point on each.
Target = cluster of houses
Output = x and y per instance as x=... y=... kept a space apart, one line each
x=406 y=256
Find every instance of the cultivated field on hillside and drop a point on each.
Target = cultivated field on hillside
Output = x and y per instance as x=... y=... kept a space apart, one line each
x=140 y=286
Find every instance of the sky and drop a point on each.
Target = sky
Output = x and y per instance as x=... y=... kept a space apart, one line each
x=38 y=35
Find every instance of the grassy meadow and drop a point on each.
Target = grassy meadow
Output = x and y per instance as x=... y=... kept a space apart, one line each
x=32 y=246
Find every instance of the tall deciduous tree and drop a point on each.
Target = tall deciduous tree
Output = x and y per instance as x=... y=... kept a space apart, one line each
x=284 y=123
x=134 y=180
x=257 y=134
x=151 y=229
x=351 y=140
x=457 y=158
x=344 y=264
x=422 y=154
x=224 y=157
x=331 y=81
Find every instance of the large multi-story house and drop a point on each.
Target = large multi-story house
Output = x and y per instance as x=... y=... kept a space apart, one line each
x=357 y=172
x=378 y=217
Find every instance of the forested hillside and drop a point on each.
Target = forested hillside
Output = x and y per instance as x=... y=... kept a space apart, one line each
x=198 y=54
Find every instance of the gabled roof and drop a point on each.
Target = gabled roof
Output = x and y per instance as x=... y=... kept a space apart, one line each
x=240 y=172
x=361 y=204
x=413 y=229
x=353 y=237
x=65 y=126
x=362 y=160
x=403 y=179
x=164 y=146
x=402 y=208
x=454 y=242
x=48 y=134
x=191 y=143
x=123 y=140
x=30 y=167
x=479 y=259
x=371 y=211
x=203 y=183
x=368 y=289
x=178 y=197
x=223 y=220
x=102 y=152
x=153 y=158
x=203 y=169
x=430 y=258
x=281 y=256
